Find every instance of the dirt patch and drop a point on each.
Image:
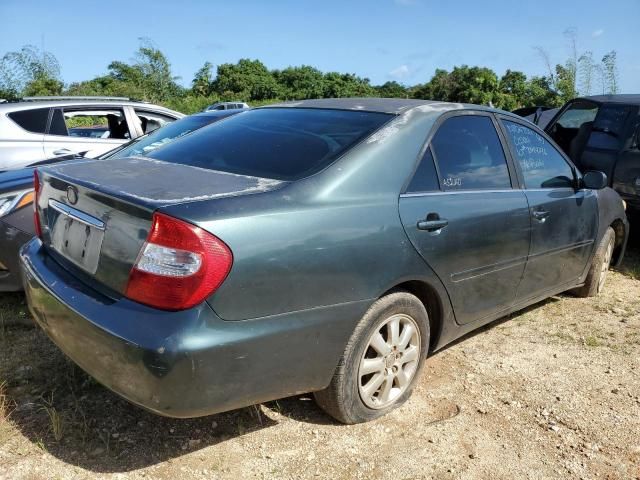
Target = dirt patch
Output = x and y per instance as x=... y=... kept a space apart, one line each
x=551 y=392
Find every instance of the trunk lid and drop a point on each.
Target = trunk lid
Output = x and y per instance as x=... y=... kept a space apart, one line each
x=96 y=214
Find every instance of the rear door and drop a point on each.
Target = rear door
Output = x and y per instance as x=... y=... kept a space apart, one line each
x=21 y=135
x=463 y=214
x=564 y=221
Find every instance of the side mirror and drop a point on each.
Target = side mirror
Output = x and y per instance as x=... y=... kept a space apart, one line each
x=594 y=180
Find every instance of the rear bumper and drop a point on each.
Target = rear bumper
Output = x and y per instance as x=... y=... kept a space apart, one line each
x=11 y=240
x=189 y=363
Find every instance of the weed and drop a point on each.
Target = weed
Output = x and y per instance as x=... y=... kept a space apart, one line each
x=591 y=341
x=56 y=422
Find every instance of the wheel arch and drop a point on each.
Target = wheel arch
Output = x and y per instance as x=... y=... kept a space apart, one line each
x=432 y=302
x=620 y=230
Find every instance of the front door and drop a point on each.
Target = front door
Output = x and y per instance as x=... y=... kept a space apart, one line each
x=86 y=131
x=564 y=220
x=466 y=220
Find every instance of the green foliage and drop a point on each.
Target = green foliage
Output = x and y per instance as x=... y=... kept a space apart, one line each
x=148 y=76
x=202 y=83
x=29 y=71
x=299 y=83
x=392 y=90
x=246 y=80
x=610 y=75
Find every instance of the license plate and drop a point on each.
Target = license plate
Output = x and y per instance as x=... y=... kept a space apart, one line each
x=75 y=235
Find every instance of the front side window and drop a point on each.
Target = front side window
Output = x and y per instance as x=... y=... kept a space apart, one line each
x=469 y=154
x=541 y=164
x=33 y=120
x=278 y=143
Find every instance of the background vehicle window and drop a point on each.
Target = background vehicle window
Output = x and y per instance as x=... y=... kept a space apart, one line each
x=469 y=154
x=160 y=137
x=98 y=123
x=33 y=120
x=426 y=178
x=577 y=114
x=278 y=143
x=150 y=121
x=608 y=127
x=542 y=165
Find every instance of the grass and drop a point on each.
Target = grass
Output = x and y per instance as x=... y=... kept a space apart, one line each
x=592 y=341
x=5 y=412
x=56 y=422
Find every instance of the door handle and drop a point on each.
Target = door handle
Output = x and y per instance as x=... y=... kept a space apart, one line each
x=63 y=151
x=540 y=215
x=432 y=223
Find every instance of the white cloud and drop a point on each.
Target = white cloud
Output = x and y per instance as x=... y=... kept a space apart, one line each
x=597 y=33
x=400 y=72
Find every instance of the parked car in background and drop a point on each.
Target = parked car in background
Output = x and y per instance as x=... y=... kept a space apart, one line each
x=16 y=190
x=226 y=106
x=43 y=127
x=603 y=133
x=319 y=246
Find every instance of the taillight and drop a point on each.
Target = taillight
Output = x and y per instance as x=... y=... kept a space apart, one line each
x=179 y=265
x=36 y=191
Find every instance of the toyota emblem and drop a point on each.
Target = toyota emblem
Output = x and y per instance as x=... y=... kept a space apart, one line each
x=72 y=195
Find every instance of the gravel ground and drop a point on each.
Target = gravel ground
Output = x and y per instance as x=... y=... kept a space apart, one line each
x=550 y=392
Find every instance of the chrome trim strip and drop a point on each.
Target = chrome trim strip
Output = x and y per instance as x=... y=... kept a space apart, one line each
x=76 y=214
x=566 y=248
x=485 y=270
x=458 y=192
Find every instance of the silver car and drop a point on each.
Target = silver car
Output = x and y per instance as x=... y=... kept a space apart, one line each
x=46 y=127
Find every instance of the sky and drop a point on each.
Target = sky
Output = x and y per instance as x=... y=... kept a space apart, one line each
x=402 y=40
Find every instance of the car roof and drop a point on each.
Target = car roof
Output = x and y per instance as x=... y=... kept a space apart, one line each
x=628 y=98
x=394 y=106
x=25 y=105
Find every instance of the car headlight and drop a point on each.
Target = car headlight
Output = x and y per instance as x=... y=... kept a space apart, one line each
x=12 y=201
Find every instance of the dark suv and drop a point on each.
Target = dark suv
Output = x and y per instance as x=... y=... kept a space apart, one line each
x=602 y=133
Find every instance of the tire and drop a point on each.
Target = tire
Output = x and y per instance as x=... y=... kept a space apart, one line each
x=597 y=275
x=355 y=395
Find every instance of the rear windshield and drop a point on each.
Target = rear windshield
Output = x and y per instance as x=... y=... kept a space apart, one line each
x=278 y=143
x=162 y=136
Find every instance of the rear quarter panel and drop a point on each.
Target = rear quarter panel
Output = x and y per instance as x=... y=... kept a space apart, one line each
x=333 y=238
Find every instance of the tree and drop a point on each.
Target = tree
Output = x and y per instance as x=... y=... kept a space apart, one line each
x=29 y=71
x=202 y=83
x=246 y=80
x=610 y=73
x=149 y=77
x=512 y=90
x=299 y=83
x=346 y=85
x=586 y=69
x=392 y=90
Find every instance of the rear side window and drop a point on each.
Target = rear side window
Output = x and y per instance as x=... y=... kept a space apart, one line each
x=279 y=143
x=426 y=178
x=33 y=120
x=469 y=154
x=541 y=164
